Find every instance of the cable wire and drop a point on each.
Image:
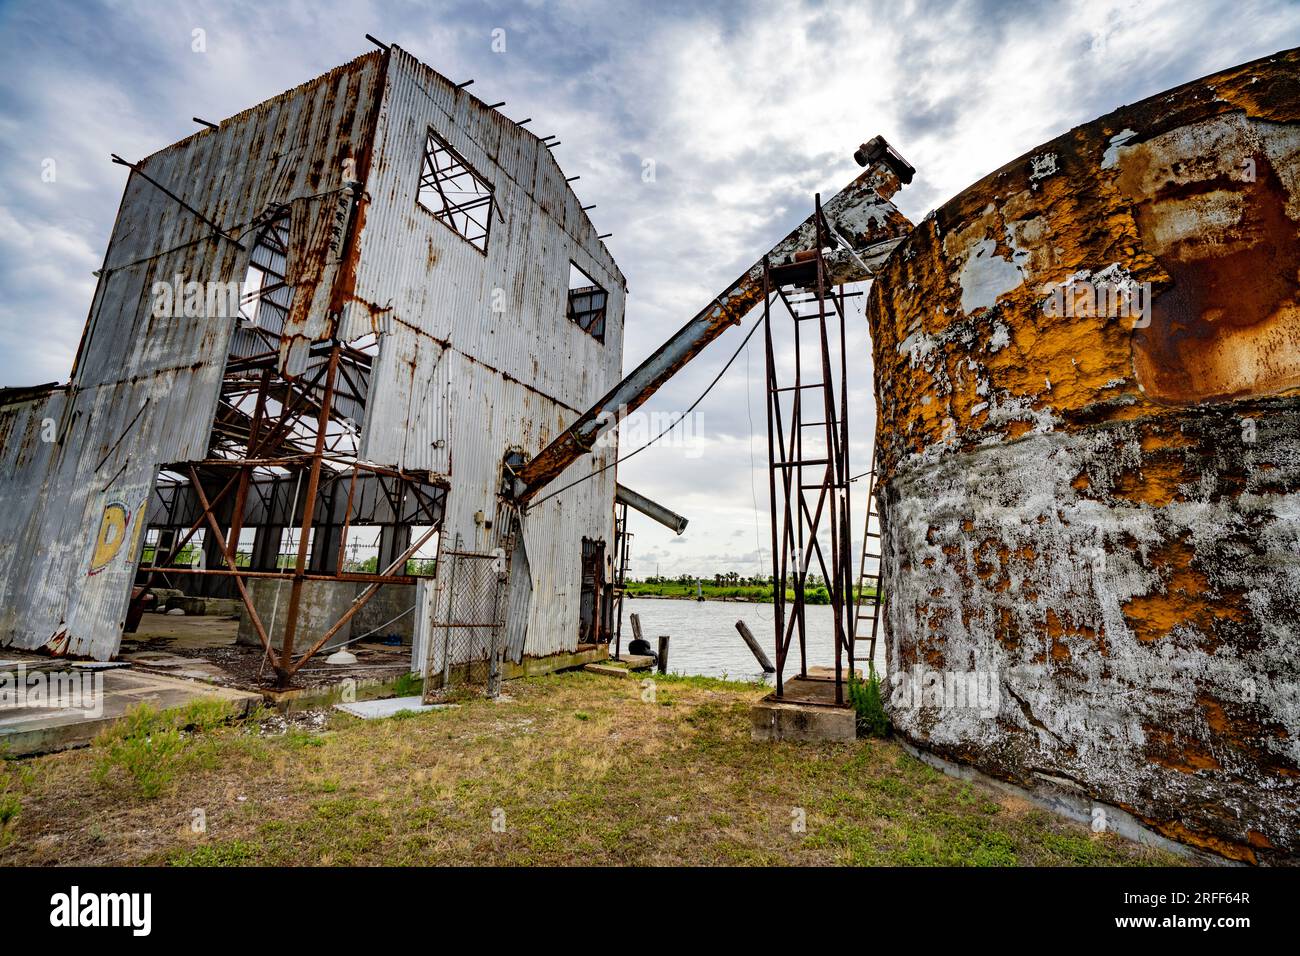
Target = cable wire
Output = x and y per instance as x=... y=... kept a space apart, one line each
x=673 y=425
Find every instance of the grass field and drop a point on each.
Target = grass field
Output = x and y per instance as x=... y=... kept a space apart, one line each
x=572 y=769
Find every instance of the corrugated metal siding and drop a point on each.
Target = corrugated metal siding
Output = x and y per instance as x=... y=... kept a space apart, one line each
x=476 y=380
x=145 y=388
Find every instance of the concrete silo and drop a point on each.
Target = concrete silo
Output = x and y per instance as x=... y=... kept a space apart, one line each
x=1088 y=372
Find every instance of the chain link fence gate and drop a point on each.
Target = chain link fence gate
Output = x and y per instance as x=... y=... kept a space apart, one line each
x=465 y=644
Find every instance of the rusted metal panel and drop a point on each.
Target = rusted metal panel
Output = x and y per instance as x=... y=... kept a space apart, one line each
x=1099 y=507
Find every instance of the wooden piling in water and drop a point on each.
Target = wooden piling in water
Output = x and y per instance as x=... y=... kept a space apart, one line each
x=663 y=653
x=755 y=647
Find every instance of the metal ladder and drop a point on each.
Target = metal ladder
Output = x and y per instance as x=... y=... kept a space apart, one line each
x=867 y=608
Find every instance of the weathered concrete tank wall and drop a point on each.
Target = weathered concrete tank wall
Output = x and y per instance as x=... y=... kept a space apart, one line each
x=388 y=613
x=1092 y=520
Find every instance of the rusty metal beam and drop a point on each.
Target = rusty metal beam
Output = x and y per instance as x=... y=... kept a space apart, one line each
x=230 y=562
x=308 y=515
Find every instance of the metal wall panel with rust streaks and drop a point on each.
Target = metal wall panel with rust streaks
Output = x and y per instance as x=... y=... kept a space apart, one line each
x=475 y=353
x=478 y=355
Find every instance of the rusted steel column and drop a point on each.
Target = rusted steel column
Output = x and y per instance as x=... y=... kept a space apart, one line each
x=285 y=670
x=1088 y=373
x=230 y=562
x=246 y=470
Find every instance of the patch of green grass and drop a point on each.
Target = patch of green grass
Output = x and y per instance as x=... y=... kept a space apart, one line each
x=144 y=747
x=527 y=781
x=297 y=737
x=147 y=748
x=870 y=706
x=233 y=853
x=706 y=683
x=1075 y=848
x=200 y=715
x=712 y=591
x=408 y=685
x=10 y=804
x=10 y=807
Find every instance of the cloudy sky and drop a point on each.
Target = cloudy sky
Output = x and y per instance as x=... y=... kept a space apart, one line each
x=747 y=109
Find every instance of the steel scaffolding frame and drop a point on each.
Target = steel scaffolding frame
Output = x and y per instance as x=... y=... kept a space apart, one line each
x=809 y=487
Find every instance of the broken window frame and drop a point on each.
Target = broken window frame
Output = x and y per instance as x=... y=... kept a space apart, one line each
x=581 y=308
x=443 y=172
x=265 y=288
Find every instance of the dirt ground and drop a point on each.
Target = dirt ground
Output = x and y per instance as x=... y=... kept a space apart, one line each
x=204 y=647
x=572 y=768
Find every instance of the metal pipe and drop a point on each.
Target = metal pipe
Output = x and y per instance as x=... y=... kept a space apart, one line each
x=651 y=509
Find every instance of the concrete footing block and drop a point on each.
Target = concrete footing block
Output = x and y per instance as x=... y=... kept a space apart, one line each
x=772 y=719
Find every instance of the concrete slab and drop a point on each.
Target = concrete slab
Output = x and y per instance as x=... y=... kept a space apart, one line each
x=565 y=660
x=194 y=632
x=32 y=730
x=772 y=719
x=829 y=672
x=636 y=662
x=813 y=690
x=608 y=670
x=379 y=709
x=194 y=668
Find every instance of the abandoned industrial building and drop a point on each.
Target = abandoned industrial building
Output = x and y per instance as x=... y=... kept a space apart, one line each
x=407 y=319
x=1087 y=463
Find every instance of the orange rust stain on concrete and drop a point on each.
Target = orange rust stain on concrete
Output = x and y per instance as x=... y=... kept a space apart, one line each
x=1156 y=483
x=1086 y=216
x=1177 y=830
x=1229 y=327
x=1255 y=838
x=1154 y=439
x=1181 y=602
x=1163 y=747
x=1017 y=428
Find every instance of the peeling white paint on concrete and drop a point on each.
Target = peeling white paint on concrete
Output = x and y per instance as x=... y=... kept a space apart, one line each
x=986 y=276
x=1111 y=156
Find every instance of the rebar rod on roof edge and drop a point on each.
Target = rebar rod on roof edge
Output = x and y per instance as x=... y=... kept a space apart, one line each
x=216 y=230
